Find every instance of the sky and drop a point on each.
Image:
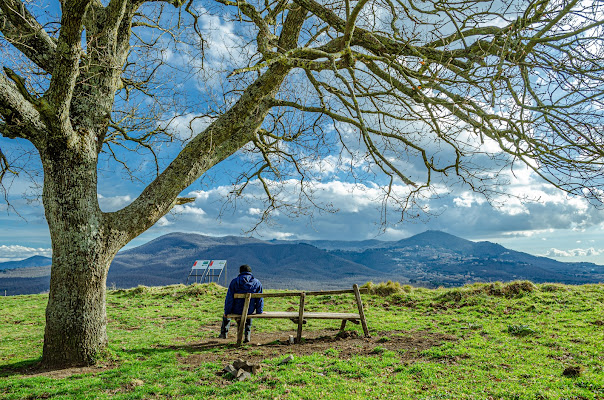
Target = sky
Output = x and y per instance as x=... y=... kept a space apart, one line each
x=547 y=222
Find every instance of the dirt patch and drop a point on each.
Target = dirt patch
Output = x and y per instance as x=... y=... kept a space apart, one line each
x=267 y=345
x=263 y=346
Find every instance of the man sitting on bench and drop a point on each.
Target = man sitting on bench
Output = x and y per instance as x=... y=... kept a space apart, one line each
x=244 y=283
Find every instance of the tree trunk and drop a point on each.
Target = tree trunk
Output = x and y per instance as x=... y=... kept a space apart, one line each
x=76 y=315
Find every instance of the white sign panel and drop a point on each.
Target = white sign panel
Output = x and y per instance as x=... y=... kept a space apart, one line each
x=217 y=264
x=201 y=264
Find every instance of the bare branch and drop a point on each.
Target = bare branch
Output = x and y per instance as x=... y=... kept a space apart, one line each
x=183 y=200
x=24 y=32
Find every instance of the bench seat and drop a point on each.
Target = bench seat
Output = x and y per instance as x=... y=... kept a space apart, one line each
x=295 y=314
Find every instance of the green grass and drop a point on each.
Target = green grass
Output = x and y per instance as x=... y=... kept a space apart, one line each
x=500 y=341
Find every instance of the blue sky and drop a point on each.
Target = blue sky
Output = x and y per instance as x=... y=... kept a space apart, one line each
x=548 y=222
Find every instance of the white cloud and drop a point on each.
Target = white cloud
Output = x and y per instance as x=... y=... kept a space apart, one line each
x=17 y=252
x=186 y=126
x=326 y=166
x=589 y=252
x=163 y=222
x=283 y=235
x=221 y=38
x=189 y=210
x=467 y=199
x=391 y=233
x=527 y=234
x=514 y=206
x=114 y=203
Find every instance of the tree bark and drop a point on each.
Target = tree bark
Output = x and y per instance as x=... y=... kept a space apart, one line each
x=76 y=315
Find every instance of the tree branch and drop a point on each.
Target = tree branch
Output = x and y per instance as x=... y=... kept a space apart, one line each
x=21 y=117
x=265 y=39
x=67 y=58
x=183 y=200
x=23 y=31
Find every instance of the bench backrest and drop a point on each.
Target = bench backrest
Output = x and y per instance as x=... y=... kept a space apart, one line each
x=298 y=294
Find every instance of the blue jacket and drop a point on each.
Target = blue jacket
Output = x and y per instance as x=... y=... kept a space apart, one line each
x=244 y=283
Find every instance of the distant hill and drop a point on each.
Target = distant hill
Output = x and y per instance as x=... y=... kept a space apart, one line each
x=435 y=258
x=355 y=245
x=430 y=259
x=28 y=276
x=291 y=265
x=35 y=261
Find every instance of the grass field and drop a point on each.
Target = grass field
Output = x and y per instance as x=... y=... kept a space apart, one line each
x=484 y=341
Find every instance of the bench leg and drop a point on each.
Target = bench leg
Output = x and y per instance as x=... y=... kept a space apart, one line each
x=343 y=325
x=241 y=327
x=357 y=294
x=300 y=317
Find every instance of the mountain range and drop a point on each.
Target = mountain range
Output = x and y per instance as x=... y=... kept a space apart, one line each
x=35 y=261
x=430 y=259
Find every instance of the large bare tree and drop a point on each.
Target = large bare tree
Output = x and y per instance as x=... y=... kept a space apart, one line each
x=393 y=82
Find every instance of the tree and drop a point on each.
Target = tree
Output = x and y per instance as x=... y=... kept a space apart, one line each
x=439 y=82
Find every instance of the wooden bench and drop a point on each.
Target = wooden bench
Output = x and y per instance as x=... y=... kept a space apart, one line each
x=299 y=317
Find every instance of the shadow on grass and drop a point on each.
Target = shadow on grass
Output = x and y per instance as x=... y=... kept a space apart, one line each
x=34 y=368
x=188 y=347
x=27 y=367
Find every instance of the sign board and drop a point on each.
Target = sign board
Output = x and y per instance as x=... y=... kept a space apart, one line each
x=206 y=270
x=201 y=264
x=217 y=264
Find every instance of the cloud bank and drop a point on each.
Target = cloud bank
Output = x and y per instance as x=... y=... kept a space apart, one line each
x=359 y=212
x=16 y=252
x=555 y=253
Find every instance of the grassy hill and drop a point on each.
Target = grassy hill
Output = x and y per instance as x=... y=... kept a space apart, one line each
x=483 y=341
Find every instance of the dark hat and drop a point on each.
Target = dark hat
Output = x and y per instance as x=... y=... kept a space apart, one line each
x=245 y=268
